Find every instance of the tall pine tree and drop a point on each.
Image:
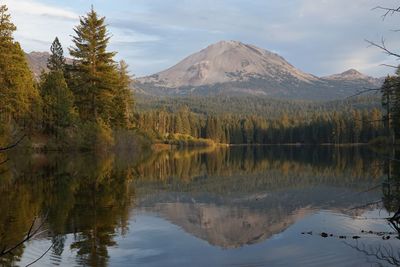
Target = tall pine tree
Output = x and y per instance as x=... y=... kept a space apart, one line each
x=58 y=101
x=94 y=69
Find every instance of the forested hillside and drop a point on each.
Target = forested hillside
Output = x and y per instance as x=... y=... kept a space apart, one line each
x=251 y=105
x=258 y=120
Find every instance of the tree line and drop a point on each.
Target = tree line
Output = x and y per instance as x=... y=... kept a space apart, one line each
x=336 y=127
x=391 y=104
x=77 y=104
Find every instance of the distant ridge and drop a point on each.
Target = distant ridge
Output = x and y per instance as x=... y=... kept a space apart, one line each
x=235 y=68
x=227 y=61
x=37 y=62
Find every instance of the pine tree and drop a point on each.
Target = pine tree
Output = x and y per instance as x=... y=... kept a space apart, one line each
x=123 y=101
x=388 y=98
x=58 y=100
x=18 y=96
x=94 y=68
x=7 y=28
x=58 y=103
x=56 y=61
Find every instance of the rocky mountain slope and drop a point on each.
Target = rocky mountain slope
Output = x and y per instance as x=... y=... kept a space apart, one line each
x=235 y=68
x=228 y=61
x=37 y=62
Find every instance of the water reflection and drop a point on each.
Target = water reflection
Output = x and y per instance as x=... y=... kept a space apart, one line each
x=87 y=196
x=230 y=198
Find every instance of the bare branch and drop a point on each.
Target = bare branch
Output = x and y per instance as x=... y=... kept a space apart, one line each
x=27 y=237
x=30 y=234
x=13 y=145
x=383 y=47
x=384 y=253
x=390 y=66
x=33 y=262
x=387 y=11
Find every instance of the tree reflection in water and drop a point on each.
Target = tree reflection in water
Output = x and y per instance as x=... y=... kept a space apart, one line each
x=384 y=252
x=89 y=198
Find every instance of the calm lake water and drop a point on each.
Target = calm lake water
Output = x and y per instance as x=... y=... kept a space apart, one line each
x=242 y=206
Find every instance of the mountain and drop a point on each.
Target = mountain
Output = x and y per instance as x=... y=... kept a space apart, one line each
x=235 y=68
x=228 y=61
x=348 y=75
x=37 y=62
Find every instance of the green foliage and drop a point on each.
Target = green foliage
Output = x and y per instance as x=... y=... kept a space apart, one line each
x=76 y=106
x=7 y=28
x=94 y=71
x=327 y=127
x=56 y=61
x=96 y=135
x=251 y=105
x=58 y=103
x=18 y=95
x=123 y=102
x=91 y=99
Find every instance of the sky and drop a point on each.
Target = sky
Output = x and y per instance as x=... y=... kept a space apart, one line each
x=321 y=37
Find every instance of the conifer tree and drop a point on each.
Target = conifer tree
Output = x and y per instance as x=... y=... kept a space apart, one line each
x=56 y=61
x=7 y=28
x=58 y=104
x=58 y=100
x=123 y=101
x=18 y=96
x=388 y=96
x=94 y=68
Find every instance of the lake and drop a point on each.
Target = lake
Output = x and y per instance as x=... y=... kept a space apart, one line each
x=238 y=206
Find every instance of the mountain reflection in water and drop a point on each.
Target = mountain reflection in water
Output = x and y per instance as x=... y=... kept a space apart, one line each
x=121 y=209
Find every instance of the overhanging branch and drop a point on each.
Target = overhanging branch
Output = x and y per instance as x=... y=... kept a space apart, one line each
x=13 y=145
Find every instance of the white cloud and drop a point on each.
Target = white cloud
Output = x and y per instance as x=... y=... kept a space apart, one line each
x=30 y=7
x=38 y=24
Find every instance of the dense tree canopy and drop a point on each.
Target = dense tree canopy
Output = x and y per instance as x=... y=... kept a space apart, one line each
x=339 y=127
x=82 y=102
x=18 y=93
